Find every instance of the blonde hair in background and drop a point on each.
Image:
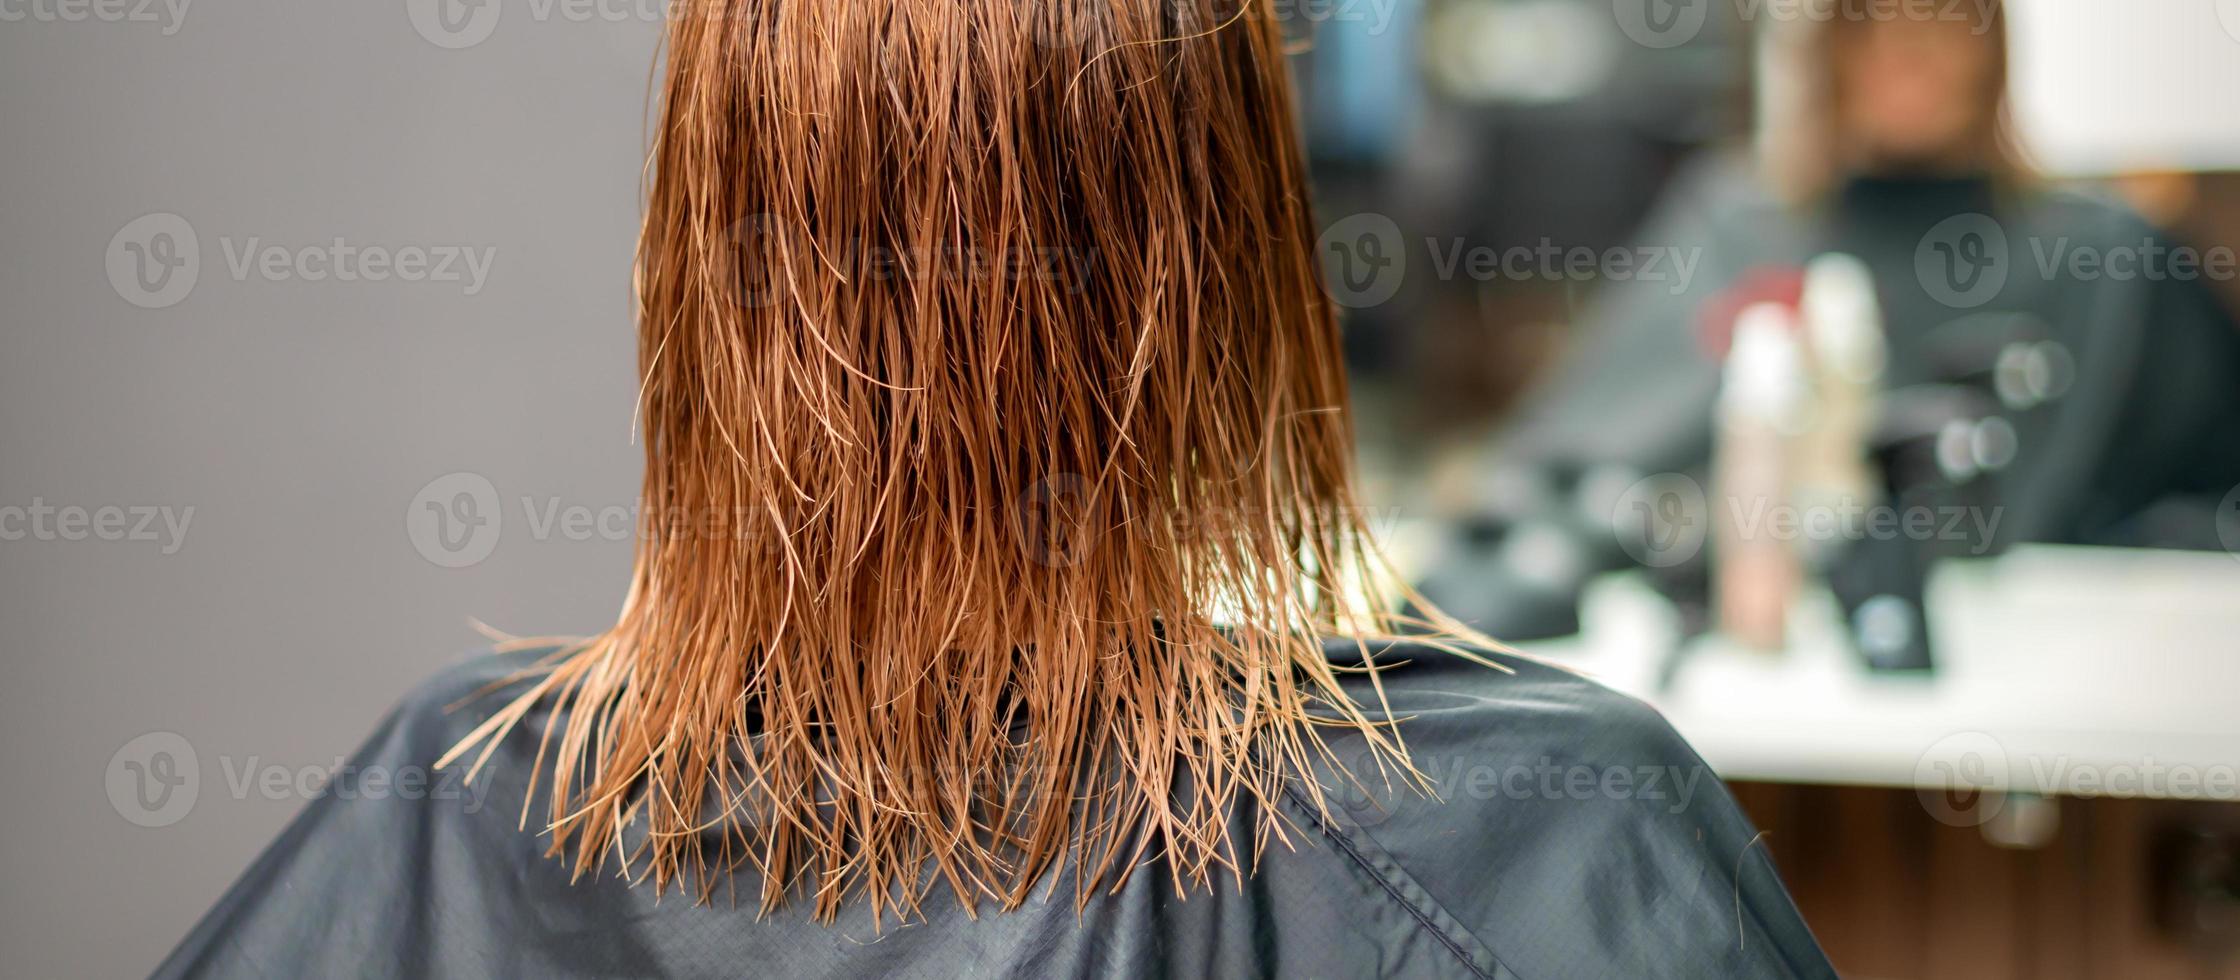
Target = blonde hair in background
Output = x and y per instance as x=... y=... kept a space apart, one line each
x=985 y=356
x=1800 y=144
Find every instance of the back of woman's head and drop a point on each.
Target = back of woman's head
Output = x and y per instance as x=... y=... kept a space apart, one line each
x=998 y=464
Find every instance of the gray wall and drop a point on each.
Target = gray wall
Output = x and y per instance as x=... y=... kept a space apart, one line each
x=298 y=419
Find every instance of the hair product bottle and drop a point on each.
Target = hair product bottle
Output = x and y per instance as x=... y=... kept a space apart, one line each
x=1756 y=567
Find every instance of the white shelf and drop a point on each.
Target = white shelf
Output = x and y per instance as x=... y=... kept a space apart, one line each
x=2062 y=671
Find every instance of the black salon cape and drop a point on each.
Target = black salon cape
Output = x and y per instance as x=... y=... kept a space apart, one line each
x=1554 y=854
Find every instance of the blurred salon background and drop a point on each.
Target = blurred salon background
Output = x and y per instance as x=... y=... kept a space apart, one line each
x=1857 y=381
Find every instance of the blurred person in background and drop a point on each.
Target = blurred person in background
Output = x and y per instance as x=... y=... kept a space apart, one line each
x=2047 y=354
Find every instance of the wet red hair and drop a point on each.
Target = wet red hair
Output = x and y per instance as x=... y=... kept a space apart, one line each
x=998 y=462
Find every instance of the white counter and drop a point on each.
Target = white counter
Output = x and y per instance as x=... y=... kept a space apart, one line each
x=2062 y=671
